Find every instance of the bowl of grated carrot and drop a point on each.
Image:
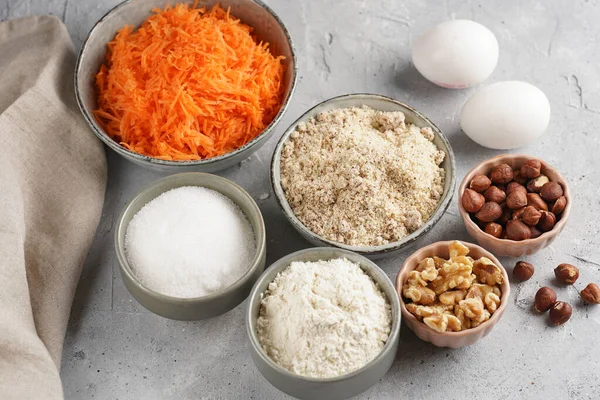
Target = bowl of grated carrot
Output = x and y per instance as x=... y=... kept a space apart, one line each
x=188 y=85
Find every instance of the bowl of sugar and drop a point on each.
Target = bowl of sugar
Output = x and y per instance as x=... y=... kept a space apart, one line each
x=191 y=246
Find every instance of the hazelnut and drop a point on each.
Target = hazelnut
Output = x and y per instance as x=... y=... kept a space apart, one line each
x=472 y=201
x=535 y=185
x=480 y=183
x=544 y=298
x=559 y=205
x=517 y=230
x=506 y=214
x=566 y=273
x=535 y=232
x=551 y=191
x=560 y=312
x=518 y=214
x=531 y=216
x=494 y=229
x=519 y=178
x=531 y=169
x=591 y=294
x=534 y=199
x=489 y=212
x=547 y=221
x=515 y=186
x=523 y=271
x=502 y=173
x=517 y=199
x=494 y=194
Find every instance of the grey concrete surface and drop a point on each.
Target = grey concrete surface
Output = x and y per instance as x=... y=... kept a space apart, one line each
x=115 y=349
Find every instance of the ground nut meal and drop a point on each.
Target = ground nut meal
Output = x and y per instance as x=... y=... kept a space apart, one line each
x=455 y=294
x=362 y=177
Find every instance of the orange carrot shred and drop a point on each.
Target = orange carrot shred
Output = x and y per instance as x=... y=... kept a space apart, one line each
x=189 y=84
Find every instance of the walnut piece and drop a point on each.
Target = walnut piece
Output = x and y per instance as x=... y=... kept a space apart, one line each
x=419 y=294
x=427 y=269
x=452 y=297
x=455 y=274
x=487 y=272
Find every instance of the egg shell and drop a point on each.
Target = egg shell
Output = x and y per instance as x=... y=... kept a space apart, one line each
x=506 y=115
x=456 y=54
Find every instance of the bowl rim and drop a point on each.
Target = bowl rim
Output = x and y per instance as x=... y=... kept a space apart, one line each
x=504 y=299
x=103 y=136
x=442 y=206
x=259 y=234
x=499 y=159
x=371 y=269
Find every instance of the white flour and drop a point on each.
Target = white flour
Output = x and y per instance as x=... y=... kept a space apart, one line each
x=323 y=319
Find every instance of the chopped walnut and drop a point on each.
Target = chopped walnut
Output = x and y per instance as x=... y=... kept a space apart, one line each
x=456 y=294
x=453 y=275
x=487 y=272
x=456 y=249
x=419 y=294
x=452 y=297
x=465 y=322
x=427 y=269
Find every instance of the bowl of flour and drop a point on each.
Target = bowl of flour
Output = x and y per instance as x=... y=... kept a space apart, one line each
x=323 y=323
x=363 y=172
x=190 y=246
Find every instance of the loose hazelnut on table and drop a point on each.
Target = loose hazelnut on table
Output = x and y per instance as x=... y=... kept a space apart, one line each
x=517 y=230
x=502 y=173
x=472 y=201
x=591 y=294
x=517 y=199
x=531 y=216
x=480 y=183
x=494 y=194
x=544 y=298
x=560 y=312
x=489 y=212
x=531 y=169
x=523 y=271
x=494 y=229
x=566 y=273
x=535 y=185
x=547 y=221
x=534 y=200
x=551 y=191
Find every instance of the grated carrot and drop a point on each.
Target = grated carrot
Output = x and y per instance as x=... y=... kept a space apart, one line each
x=189 y=84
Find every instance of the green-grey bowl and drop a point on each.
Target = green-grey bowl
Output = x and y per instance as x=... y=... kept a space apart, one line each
x=199 y=307
x=267 y=26
x=329 y=388
x=381 y=103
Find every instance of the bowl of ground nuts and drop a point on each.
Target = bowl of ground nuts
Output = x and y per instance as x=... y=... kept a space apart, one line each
x=514 y=205
x=363 y=172
x=452 y=293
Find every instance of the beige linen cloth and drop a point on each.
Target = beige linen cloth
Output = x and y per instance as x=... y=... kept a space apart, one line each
x=52 y=181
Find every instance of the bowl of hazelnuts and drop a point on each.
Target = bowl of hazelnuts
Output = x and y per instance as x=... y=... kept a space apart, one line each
x=514 y=205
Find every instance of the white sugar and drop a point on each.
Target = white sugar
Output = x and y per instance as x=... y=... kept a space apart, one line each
x=190 y=242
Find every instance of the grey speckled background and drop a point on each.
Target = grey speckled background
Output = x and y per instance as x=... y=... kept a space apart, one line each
x=116 y=349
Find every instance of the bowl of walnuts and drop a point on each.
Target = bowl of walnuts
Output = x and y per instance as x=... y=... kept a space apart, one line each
x=514 y=205
x=452 y=293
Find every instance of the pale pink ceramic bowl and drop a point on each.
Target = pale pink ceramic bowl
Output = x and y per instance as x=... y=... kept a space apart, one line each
x=449 y=339
x=505 y=247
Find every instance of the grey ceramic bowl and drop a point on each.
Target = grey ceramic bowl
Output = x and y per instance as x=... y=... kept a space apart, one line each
x=382 y=103
x=331 y=388
x=267 y=26
x=200 y=307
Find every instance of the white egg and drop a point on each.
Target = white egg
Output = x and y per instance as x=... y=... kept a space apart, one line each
x=456 y=54
x=506 y=115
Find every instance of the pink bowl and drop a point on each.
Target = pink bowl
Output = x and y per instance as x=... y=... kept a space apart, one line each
x=449 y=339
x=505 y=247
